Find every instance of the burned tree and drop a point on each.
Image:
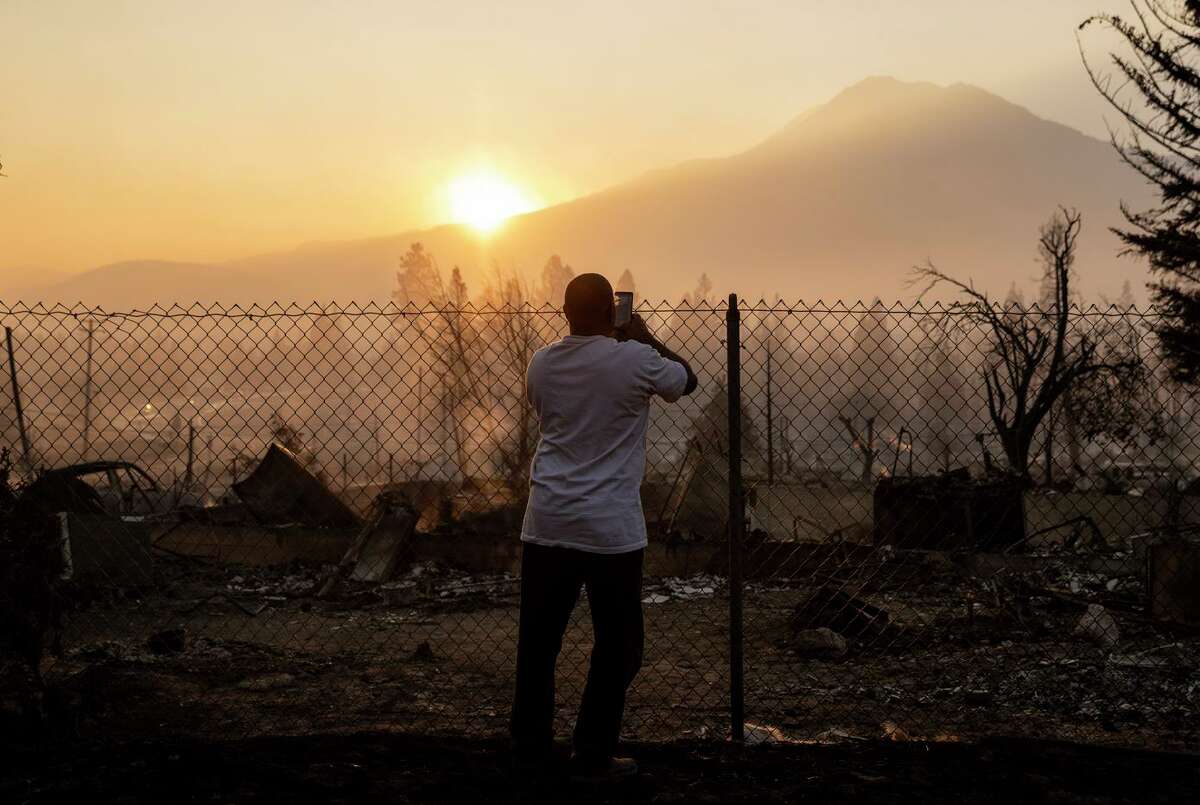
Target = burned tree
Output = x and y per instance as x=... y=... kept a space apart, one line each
x=1035 y=358
x=1121 y=406
x=449 y=337
x=943 y=396
x=1158 y=96
x=1061 y=415
x=864 y=442
x=868 y=404
x=419 y=281
x=513 y=336
x=555 y=276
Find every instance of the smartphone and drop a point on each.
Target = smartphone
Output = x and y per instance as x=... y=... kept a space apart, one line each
x=624 y=308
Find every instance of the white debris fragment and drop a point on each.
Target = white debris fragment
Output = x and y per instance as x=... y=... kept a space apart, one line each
x=757 y=734
x=682 y=589
x=1138 y=661
x=695 y=587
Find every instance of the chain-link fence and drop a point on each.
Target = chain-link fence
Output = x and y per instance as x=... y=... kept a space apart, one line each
x=962 y=522
x=301 y=519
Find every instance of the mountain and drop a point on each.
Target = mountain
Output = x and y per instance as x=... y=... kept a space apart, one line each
x=840 y=203
x=28 y=281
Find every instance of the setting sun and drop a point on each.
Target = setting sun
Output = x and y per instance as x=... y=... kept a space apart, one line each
x=484 y=200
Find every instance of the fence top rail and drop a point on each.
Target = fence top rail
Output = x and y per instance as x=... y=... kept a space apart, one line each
x=923 y=308
x=198 y=310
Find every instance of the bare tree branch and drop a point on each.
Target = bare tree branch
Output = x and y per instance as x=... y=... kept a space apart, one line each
x=1035 y=359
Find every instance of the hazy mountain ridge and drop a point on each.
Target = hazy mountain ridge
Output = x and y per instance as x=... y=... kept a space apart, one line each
x=839 y=203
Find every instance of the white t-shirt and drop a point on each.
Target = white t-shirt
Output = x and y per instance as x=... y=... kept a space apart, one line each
x=592 y=397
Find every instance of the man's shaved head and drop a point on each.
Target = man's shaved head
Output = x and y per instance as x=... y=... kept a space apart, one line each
x=588 y=305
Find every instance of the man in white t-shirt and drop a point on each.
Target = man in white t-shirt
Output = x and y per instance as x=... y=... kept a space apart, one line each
x=584 y=525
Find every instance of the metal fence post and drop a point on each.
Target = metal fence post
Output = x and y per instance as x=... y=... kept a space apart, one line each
x=26 y=452
x=737 y=704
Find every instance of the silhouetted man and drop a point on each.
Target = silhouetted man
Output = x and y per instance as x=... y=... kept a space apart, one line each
x=584 y=525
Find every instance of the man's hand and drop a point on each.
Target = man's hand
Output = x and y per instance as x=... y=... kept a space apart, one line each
x=636 y=330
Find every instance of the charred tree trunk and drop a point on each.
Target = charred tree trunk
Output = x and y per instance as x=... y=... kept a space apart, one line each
x=1017 y=443
x=865 y=443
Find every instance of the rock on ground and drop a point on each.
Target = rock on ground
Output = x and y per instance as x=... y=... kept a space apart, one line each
x=818 y=643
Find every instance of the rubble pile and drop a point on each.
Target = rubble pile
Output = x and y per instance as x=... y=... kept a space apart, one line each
x=1119 y=578
x=168 y=646
x=1061 y=640
x=296 y=582
x=443 y=586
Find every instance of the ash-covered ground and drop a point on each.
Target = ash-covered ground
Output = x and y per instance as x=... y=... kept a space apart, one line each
x=217 y=651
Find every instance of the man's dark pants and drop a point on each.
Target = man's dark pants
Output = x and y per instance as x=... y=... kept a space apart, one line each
x=550 y=582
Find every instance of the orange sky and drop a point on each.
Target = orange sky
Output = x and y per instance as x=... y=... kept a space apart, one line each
x=172 y=130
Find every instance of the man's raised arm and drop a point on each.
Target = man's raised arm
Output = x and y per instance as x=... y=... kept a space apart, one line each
x=637 y=330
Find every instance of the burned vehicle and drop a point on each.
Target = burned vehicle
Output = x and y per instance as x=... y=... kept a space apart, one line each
x=116 y=488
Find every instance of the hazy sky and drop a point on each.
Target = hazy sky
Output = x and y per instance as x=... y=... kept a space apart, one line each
x=212 y=130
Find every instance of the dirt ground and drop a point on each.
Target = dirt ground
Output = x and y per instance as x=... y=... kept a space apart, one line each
x=402 y=768
x=435 y=652
x=260 y=692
